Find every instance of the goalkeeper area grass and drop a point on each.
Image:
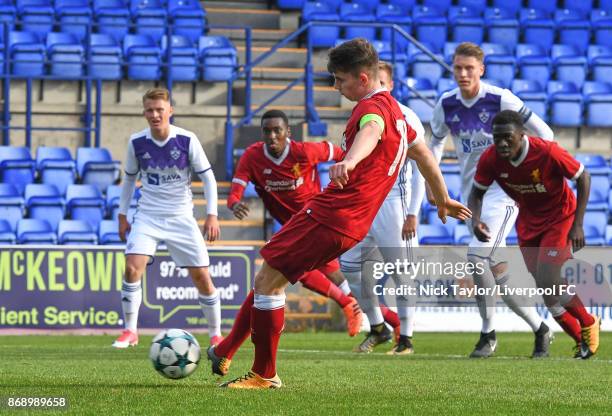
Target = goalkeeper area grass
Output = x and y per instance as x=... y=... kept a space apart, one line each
x=321 y=376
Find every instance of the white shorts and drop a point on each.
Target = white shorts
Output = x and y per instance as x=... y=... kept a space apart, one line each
x=499 y=212
x=386 y=231
x=180 y=233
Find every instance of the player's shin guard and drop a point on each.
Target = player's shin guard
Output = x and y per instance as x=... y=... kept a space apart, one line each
x=211 y=307
x=131 y=298
x=267 y=322
x=520 y=305
x=319 y=283
x=486 y=303
x=240 y=330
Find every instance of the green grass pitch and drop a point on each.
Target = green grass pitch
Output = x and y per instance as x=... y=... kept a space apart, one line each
x=321 y=377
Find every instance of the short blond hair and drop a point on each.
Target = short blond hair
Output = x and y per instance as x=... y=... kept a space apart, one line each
x=156 y=94
x=469 y=49
x=387 y=67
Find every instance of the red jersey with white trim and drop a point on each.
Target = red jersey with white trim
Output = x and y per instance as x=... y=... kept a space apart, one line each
x=351 y=210
x=536 y=181
x=287 y=182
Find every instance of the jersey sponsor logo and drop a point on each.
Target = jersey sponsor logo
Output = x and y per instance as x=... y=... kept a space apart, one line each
x=552 y=253
x=283 y=185
x=528 y=188
x=267 y=171
x=455 y=119
x=484 y=115
x=175 y=153
x=157 y=179
x=503 y=175
x=146 y=156
x=467 y=145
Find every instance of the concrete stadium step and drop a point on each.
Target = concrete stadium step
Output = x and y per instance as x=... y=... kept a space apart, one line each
x=272 y=74
x=284 y=57
x=258 y=18
x=236 y=4
x=234 y=243
x=259 y=37
x=323 y=96
x=329 y=113
x=240 y=230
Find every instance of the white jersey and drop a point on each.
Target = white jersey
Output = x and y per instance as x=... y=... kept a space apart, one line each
x=470 y=124
x=410 y=185
x=165 y=168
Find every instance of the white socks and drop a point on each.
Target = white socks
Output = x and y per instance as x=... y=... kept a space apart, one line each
x=486 y=303
x=211 y=307
x=269 y=302
x=345 y=288
x=131 y=297
x=519 y=304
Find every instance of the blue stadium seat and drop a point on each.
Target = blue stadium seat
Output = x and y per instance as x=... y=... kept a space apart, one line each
x=449 y=51
x=445 y=84
x=450 y=167
x=547 y=5
x=108 y=233
x=113 y=197
x=537 y=26
x=188 y=18
x=276 y=226
x=27 y=54
x=502 y=26
x=7 y=236
x=55 y=166
x=74 y=16
x=598 y=103
x=425 y=67
x=453 y=183
x=461 y=235
x=218 y=56
x=499 y=63
x=534 y=63
x=573 y=29
x=425 y=88
x=598 y=197
x=565 y=104
x=441 y=6
x=510 y=5
x=512 y=238
x=323 y=170
x=150 y=18
x=85 y=202
x=290 y=4
x=106 y=57
x=569 y=63
x=608 y=235
x=437 y=234
x=143 y=57
x=595 y=164
x=433 y=219
x=36 y=16
x=8 y=14
x=11 y=204
x=466 y=24
x=76 y=232
x=595 y=227
x=430 y=26
x=600 y=61
x=16 y=166
x=66 y=55
x=44 y=202
x=95 y=166
x=601 y=21
x=533 y=95
x=357 y=13
x=112 y=17
x=581 y=5
x=405 y=5
x=250 y=192
x=35 y=231
x=321 y=36
x=184 y=65
x=390 y=13
x=477 y=5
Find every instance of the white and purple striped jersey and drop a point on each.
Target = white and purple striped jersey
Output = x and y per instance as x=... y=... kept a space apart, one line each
x=469 y=122
x=165 y=168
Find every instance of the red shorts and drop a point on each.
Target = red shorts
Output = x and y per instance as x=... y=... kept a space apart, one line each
x=330 y=267
x=303 y=245
x=550 y=247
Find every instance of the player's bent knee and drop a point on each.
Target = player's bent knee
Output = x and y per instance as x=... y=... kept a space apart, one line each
x=270 y=281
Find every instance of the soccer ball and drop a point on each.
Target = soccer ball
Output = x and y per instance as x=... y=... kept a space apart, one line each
x=175 y=353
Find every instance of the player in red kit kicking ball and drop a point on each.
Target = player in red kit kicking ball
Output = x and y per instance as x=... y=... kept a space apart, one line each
x=375 y=143
x=532 y=171
x=285 y=176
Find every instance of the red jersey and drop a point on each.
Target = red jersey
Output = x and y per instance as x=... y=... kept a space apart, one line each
x=536 y=181
x=284 y=183
x=351 y=210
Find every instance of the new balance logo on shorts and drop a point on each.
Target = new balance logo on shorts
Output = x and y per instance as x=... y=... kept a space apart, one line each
x=552 y=253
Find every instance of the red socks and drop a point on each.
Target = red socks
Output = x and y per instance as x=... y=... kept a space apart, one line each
x=570 y=325
x=318 y=282
x=240 y=330
x=578 y=311
x=389 y=316
x=266 y=328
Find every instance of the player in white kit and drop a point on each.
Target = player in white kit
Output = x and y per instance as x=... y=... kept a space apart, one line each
x=397 y=217
x=164 y=156
x=466 y=113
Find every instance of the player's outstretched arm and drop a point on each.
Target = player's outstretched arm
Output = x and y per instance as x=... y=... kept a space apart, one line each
x=127 y=190
x=430 y=170
x=211 y=225
x=583 y=187
x=481 y=230
x=364 y=143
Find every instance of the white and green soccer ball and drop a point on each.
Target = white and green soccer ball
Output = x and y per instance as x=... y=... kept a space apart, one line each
x=175 y=353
